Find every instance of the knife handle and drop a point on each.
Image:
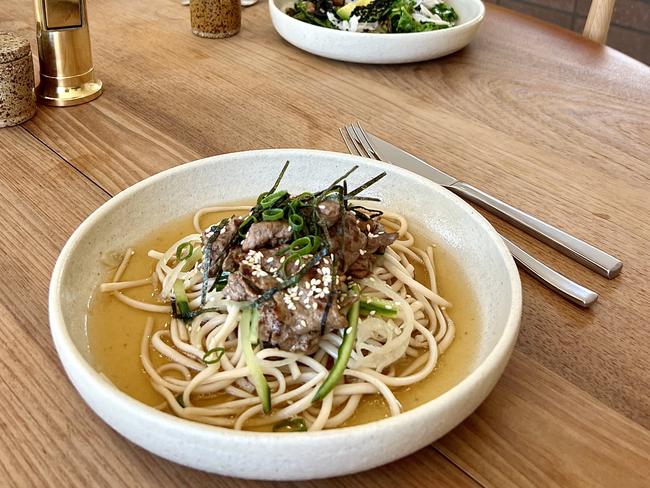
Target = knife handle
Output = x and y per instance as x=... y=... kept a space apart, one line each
x=581 y=252
x=562 y=285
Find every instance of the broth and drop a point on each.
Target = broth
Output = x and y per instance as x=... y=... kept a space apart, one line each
x=114 y=330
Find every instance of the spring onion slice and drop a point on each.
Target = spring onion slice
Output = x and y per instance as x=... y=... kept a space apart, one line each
x=291 y=425
x=385 y=308
x=246 y=223
x=302 y=246
x=272 y=214
x=180 y=249
x=296 y=222
x=343 y=356
x=180 y=297
x=261 y=386
x=270 y=200
x=217 y=352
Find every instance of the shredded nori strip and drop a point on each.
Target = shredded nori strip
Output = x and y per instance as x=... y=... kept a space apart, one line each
x=195 y=313
x=207 y=257
x=367 y=184
x=336 y=182
x=366 y=199
x=334 y=273
x=280 y=176
x=367 y=214
x=293 y=279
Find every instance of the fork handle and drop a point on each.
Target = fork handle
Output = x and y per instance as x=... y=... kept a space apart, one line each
x=557 y=282
x=581 y=252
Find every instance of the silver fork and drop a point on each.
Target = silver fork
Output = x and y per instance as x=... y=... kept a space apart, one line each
x=358 y=144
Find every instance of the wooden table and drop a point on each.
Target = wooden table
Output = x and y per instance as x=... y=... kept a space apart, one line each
x=534 y=114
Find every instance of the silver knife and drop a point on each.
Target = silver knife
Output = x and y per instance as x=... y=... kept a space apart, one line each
x=580 y=251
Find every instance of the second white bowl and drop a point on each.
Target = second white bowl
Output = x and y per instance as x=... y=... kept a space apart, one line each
x=365 y=47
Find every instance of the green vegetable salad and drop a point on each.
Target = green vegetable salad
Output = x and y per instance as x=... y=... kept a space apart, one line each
x=380 y=16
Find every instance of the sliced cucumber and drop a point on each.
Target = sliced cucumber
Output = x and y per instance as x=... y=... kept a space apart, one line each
x=261 y=386
x=385 y=308
x=345 y=350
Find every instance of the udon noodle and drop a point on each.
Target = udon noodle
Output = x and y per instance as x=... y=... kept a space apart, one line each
x=206 y=378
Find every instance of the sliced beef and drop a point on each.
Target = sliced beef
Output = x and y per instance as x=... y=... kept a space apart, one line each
x=234 y=258
x=348 y=241
x=267 y=234
x=251 y=273
x=239 y=289
x=291 y=321
x=330 y=212
x=220 y=244
x=361 y=267
x=360 y=239
x=378 y=238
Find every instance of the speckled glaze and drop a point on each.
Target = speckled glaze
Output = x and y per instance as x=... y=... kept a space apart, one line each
x=215 y=18
x=177 y=192
x=17 y=98
x=364 y=47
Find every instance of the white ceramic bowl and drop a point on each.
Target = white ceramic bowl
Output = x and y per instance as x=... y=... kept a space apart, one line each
x=123 y=220
x=365 y=47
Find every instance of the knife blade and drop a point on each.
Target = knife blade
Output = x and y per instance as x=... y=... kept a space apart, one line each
x=580 y=251
x=387 y=152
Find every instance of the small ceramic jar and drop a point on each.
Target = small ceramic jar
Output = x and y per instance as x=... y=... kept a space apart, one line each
x=17 y=98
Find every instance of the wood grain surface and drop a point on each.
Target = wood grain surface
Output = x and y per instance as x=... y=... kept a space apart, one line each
x=550 y=122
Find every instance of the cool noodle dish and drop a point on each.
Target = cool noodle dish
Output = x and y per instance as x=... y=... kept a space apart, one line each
x=287 y=315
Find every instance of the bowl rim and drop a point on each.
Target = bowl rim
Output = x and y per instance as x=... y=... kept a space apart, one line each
x=65 y=345
x=275 y=10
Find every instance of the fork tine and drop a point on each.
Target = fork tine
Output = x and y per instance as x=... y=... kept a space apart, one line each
x=363 y=140
x=360 y=150
x=348 y=142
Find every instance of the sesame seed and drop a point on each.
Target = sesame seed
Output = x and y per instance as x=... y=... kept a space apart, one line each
x=362 y=251
x=372 y=312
